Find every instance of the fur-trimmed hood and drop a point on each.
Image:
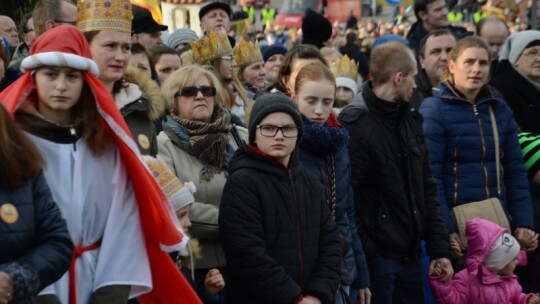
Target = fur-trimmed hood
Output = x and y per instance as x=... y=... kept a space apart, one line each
x=149 y=89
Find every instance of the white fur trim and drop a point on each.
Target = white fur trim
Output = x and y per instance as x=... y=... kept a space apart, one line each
x=348 y=83
x=61 y=60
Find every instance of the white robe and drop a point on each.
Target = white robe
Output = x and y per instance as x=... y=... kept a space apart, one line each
x=98 y=202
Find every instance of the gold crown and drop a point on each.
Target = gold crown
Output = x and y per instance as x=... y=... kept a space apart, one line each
x=214 y=45
x=246 y=53
x=344 y=67
x=104 y=15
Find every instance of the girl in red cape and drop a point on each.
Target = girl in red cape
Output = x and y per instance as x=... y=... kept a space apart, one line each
x=116 y=213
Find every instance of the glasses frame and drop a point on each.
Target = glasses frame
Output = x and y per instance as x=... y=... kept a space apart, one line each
x=74 y=23
x=183 y=92
x=532 y=54
x=277 y=130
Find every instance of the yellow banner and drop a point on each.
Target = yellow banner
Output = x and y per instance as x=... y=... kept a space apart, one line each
x=153 y=6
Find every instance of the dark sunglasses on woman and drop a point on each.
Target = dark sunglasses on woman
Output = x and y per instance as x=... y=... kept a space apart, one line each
x=207 y=91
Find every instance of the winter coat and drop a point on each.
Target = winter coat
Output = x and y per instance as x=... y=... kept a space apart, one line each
x=316 y=156
x=423 y=89
x=277 y=233
x=395 y=195
x=462 y=153
x=36 y=246
x=141 y=103
x=476 y=284
x=205 y=209
x=520 y=94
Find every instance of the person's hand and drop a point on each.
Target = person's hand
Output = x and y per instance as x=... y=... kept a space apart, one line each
x=534 y=299
x=310 y=300
x=444 y=267
x=457 y=247
x=214 y=281
x=6 y=288
x=364 y=295
x=527 y=238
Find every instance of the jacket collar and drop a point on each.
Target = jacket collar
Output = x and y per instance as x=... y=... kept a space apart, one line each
x=387 y=109
x=445 y=90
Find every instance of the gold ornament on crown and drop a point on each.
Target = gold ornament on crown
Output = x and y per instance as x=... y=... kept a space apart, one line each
x=345 y=67
x=212 y=46
x=104 y=15
x=246 y=53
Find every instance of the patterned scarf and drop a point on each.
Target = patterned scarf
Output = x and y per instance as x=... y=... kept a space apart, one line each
x=326 y=139
x=206 y=141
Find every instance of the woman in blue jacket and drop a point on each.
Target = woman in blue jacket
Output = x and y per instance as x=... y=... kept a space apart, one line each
x=461 y=144
x=36 y=247
x=323 y=152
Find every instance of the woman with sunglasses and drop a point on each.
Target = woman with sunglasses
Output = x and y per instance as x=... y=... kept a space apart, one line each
x=281 y=243
x=197 y=142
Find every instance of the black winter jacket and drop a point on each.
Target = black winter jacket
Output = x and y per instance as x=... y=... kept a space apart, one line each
x=395 y=193
x=278 y=236
x=36 y=247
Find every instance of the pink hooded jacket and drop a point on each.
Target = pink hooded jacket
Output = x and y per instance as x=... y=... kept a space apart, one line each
x=476 y=284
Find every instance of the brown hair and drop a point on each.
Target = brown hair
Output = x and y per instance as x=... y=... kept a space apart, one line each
x=228 y=96
x=119 y=84
x=313 y=71
x=20 y=160
x=85 y=114
x=3 y=56
x=390 y=58
x=461 y=46
x=301 y=51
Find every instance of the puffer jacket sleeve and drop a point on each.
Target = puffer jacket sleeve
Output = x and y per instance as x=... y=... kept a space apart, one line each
x=434 y=132
x=242 y=236
x=515 y=176
x=51 y=255
x=456 y=291
x=324 y=281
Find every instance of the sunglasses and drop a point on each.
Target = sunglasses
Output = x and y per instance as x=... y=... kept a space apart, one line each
x=207 y=91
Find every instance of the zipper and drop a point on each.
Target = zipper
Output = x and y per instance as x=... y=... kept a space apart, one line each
x=298 y=235
x=483 y=139
x=455 y=177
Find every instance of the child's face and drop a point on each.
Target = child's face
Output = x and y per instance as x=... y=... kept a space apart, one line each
x=509 y=268
x=183 y=217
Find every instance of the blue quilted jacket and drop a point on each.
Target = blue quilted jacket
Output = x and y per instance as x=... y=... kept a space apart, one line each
x=462 y=153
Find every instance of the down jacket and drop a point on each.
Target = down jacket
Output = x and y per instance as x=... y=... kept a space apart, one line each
x=36 y=246
x=277 y=233
x=476 y=284
x=461 y=147
x=316 y=157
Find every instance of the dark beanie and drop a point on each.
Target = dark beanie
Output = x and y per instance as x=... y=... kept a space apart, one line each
x=315 y=29
x=273 y=103
x=271 y=50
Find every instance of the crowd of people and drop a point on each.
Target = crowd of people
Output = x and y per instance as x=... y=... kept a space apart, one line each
x=311 y=166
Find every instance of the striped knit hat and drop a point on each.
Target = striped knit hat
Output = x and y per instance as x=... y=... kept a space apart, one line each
x=58 y=48
x=530 y=146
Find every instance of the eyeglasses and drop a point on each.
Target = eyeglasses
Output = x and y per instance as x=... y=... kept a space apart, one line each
x=532 y=53
x=207 y=91
x=74 y=23
x=228 y=58
x=271 y=131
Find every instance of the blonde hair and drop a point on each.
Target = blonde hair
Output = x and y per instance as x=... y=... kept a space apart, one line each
x=461 y=46
x=187 y=76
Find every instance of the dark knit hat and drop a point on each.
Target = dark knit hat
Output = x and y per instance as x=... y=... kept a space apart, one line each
x=273 y=103
x=530 y=146
x=315 y=29
x=213 y=5
x=271 y=50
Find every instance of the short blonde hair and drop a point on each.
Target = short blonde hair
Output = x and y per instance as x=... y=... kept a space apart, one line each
x=187 y=76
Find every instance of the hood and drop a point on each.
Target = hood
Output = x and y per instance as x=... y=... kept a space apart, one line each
x=150 y=91
x=446 y=91
x=481 y=234
x=22 y=51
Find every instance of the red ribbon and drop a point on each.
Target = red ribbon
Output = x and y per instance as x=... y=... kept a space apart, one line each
x=77 y=252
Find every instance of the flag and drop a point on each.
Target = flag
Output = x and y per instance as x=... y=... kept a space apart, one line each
x=153 y=6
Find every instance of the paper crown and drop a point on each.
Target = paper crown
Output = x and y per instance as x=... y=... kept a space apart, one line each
x=214 y=45
x=344 y=67
x=104 y=15
x=246 y=53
